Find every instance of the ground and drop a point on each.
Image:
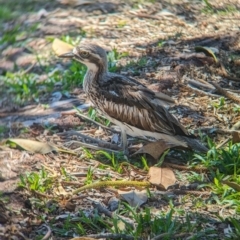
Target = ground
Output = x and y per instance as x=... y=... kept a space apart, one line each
x=188 y=49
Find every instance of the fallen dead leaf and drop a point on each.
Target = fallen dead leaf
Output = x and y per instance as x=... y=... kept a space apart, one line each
x=161 y=177
x=235 y=137
x=233 y=185
x=156 y=149
x=33 y=146
x=60 y=47
x=208 y=51
x=134 y=198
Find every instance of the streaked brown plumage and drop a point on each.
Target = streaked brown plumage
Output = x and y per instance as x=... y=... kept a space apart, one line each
x=136 y=109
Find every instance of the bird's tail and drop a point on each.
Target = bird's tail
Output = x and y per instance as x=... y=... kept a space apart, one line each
x=195 y=144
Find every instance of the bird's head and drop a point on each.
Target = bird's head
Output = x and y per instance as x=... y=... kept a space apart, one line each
x=91 y=55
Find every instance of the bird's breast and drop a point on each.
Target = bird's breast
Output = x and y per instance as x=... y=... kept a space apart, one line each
x=131 y=115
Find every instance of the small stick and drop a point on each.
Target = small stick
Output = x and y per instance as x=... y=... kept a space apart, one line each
x=223 y=143
x=142 y=15
x=97 y=123
x=232 y=78
x=28 y=69
x=200 y=85
x=225 y=93
x=202 y=92
x=91 y=146
x=100 y=143
x=218 y=130
x=48 y=234
x=113 y=236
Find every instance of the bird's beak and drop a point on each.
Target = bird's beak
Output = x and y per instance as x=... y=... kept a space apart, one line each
x=67 y=55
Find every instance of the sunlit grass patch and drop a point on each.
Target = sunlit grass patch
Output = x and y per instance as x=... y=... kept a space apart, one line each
x=224 y=173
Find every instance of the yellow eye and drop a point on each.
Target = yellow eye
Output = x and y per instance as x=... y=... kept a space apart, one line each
x=84 y=54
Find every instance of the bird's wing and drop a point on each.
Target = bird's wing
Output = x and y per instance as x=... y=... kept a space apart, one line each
x=131 y=103
x=157 y=97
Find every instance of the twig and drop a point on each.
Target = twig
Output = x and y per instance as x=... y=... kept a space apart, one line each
x=143 y=15
x=232 y=78
x=73 y=183
x=102 y=209
x=48 y=234
x=225 y=93
x=42 y=194
x=100 y=143
x=91 y=146
x=232 y=90
x=111 y=184
x=178 y=236
x=200 y=84
x=223 y=143
x=195 y=193
x=213 y=129
x=113 y=236
x=28 y=69
x=202 y=92
x=97 y=123
x=226 y=75
x=181 y=167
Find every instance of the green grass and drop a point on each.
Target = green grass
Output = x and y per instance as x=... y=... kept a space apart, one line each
x=93 y=114
x=113 y=57
x=33 y=181
x=10 y=36
x=210 y=9
x=6 y=14
x=223 y=164
x=25 y=87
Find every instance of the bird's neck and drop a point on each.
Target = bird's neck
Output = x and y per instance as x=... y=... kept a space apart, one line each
x=94 y=75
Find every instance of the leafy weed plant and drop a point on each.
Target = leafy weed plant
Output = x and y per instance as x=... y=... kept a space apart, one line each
x=224 y=167
x=36 y=181
x=227 y=160
x=114 y=159
x=92 y=113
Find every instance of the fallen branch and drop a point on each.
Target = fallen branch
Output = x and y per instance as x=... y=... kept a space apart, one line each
x=90 y=146
x=48 y=234
x=113 y=236
x=202 y=92
x=112 y=184
x=200 y=84
x=226 y=75
x=100 y=143
x=225 y=93
x=97 y=123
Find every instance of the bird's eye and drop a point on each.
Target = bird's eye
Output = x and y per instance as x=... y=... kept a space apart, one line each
x=84 y=54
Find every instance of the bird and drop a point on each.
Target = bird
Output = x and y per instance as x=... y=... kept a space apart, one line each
x=137 y=110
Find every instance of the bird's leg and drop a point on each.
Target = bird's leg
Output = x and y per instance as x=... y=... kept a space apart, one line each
x=124 y=144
